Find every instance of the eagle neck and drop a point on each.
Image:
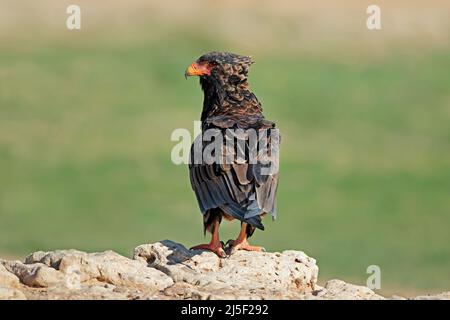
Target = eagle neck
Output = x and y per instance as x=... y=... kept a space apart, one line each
x=214 y=95
x=224 y=98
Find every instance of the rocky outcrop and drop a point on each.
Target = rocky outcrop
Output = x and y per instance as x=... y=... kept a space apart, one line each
x=339 y=290
x=242 y=275
x=167 y=270
x=9 y=284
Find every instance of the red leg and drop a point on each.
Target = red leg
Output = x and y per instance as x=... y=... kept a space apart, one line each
x=241 y=242
x=215 y=244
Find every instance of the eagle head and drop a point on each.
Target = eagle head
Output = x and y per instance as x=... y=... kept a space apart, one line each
x=224 y=67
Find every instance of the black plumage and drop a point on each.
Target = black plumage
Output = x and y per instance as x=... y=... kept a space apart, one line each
x=237 y=189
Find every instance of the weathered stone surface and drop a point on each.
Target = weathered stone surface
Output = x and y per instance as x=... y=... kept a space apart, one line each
x=109 y=267
x=92 y=290
x=340 y=290
x=167 y=270
x=8 y=279
x=35 y=275
x=397 y=297
x=9 y=285
x=440 y=296
x=7 y=293
x=241 y=275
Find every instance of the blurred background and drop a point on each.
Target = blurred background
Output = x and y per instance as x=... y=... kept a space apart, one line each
x=86 y=118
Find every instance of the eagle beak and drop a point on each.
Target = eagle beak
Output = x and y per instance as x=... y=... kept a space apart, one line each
x=186 y=73
x=196 y=69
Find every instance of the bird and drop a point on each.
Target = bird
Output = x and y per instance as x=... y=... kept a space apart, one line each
x=240 y=189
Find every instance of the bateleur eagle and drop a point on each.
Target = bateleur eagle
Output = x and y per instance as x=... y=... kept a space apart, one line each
x=239 y=189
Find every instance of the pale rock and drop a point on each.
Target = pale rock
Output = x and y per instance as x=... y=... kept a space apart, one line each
x=108 y=266
x=91 y=291
x=8 y=279
x=167 y=270
x=440 y=296
x=8 y=293
x=242 y=275
x=340 y=290
x=35 y=275
x=397 y=297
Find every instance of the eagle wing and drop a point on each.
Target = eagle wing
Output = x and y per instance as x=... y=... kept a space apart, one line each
x=241 y=188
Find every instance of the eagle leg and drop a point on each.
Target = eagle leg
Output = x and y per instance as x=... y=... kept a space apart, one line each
x=241 y=242
x=215 y=245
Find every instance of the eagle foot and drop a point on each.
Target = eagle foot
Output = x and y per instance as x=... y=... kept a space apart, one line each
x=233 y=245
x=217 y=248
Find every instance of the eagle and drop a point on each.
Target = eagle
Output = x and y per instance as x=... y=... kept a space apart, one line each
x=242 y=188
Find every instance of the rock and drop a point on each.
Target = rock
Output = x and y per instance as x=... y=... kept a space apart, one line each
x=440 y=296
x=397 y=297
x=109 y=267
x=340 y=290
x=11 y=294
x=72 y=274
x=167 y=270
x=9 y=285
x=89 y=291
x=36 y=275
x=8 y=279
x=241 y=275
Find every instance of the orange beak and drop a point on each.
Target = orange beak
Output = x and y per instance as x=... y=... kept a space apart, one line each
x=197 y=69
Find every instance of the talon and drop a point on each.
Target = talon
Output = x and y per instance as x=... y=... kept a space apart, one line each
x=243 y=246
x=217 y=248
x=221 y=253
